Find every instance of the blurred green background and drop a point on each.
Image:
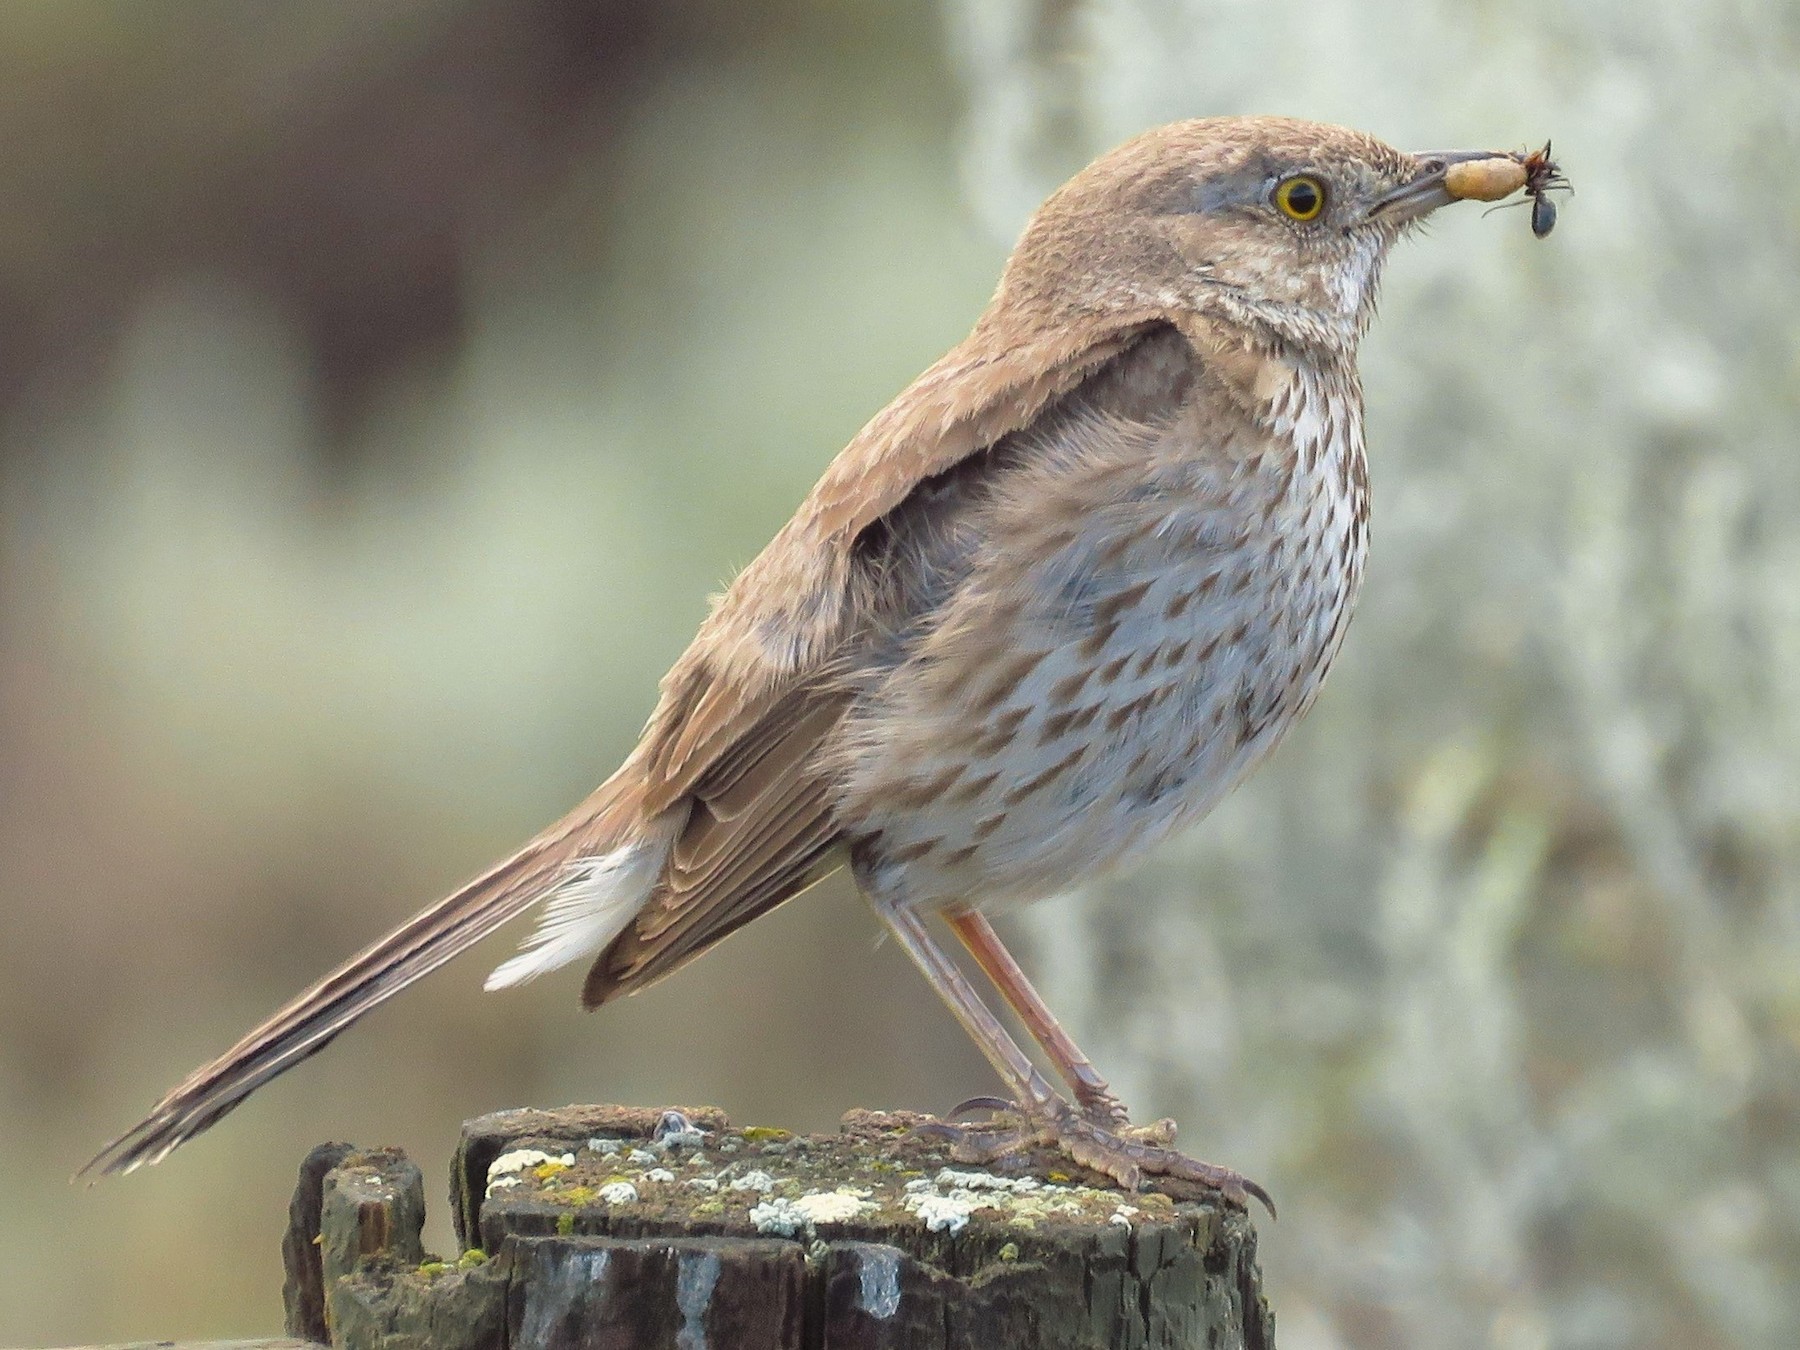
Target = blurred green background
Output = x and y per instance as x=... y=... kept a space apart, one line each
x=383 y=388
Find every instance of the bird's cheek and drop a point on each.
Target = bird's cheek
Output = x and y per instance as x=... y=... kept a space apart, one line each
x=1197 y=246
x=1285 y=279
x=1301 y=287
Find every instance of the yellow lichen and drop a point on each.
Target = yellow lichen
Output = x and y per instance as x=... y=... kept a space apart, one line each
x=757 y=1134
x=565 y=1223
x=471 y=1258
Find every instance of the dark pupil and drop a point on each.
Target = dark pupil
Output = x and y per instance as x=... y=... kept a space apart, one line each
x=1303 y=199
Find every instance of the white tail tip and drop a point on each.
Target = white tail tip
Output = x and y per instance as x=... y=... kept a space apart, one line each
x=586 y=909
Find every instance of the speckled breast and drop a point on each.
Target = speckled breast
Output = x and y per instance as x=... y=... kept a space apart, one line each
x=1148 y=622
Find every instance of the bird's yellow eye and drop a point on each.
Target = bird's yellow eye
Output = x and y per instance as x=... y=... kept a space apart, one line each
x=1301 y=197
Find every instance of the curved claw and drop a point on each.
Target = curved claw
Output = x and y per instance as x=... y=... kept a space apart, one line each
x=1267 y=1200
x=977 y=1144
x=998 y=1104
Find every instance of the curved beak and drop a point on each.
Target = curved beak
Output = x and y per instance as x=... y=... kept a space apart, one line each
x=1429 y=189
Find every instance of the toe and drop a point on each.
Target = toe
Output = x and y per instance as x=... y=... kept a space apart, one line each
x=999 y=1105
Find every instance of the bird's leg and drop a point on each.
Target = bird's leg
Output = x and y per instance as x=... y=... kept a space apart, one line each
x=1032 y=1093
x=1095 y=1098
x=1045 y=1116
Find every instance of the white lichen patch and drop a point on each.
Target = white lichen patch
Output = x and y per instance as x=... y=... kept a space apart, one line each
x=788 y=1217
x=953 y=1179
x=946 y=1213
x=659 y=1174
x=618 y=1193
x=521 y=1158
x=781 y=1217
x=642 y=1157
x=702 y=1183
x=690 y=1138
x=754 y=1181
x=501 y=1172
x=945 y=1200
x=605 y=1147
x=839 y=1206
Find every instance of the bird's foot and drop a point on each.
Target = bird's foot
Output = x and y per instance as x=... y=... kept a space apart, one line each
x=1110 y=1145
x=1099 y=1108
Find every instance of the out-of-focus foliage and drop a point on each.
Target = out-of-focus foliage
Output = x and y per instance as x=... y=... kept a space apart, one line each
x=1494 y=974
x=382 y=391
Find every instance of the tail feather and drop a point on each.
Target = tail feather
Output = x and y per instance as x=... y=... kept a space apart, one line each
x=585 y=910
x=556 y=861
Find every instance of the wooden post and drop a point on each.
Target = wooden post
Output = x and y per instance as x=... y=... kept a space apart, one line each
x=620 y=1229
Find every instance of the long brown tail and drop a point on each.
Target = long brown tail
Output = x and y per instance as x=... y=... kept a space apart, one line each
x=606 y=821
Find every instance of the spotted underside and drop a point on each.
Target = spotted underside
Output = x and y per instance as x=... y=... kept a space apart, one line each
x=1165 y=588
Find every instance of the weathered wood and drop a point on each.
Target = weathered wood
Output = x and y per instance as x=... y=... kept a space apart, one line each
x=579 y=1294
x=603 y=1227
x=423 y=1307
x=303 y=1289
x=486 y=1137
x=372 y=1206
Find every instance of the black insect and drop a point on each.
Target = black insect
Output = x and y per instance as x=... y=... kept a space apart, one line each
x=1542 y=177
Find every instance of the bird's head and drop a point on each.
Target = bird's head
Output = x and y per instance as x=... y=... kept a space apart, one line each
x=1262 y=222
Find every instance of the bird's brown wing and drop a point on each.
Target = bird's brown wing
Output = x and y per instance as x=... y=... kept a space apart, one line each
x=736 y=741
x=759 y=830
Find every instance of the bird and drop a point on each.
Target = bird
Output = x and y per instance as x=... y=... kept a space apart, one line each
x=1046 y=608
